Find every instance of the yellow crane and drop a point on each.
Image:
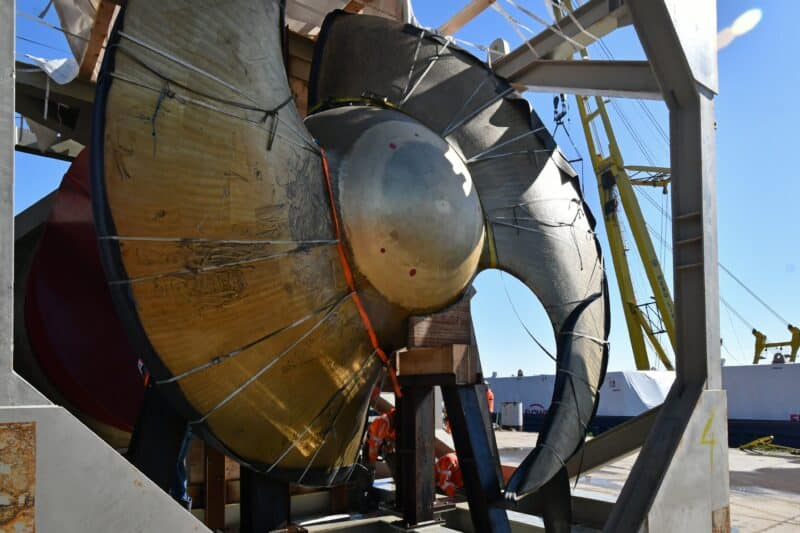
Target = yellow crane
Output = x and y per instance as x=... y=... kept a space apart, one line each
x=616 y=190
x=615 y=185
x=761 y=344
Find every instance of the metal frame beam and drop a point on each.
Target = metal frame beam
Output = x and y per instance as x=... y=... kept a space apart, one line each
x=591 y=21
x=33 y=217
x=31 y=78
x=13 y=389
x=63 y=150
x=69 y=106
x=468 y=410
x=681 y=52
x=625 y=79
x=684 y=63
x=613 y=444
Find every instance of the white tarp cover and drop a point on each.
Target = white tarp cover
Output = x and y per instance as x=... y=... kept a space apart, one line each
x=755 y=392
x=625 y=393
x=77 y=17
x=630 y=393
x=62 y=70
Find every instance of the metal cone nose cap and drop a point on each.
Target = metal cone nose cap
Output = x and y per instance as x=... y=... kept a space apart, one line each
x=411 y=214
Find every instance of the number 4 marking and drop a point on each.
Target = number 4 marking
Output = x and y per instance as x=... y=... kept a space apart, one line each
x=710 y=441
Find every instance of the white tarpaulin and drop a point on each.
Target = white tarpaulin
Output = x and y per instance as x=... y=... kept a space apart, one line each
x=77 y=17
x=625 y=393
x=61 y=70
x=630 y=393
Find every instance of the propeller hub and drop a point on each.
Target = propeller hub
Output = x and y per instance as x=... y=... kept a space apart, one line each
x=411 y=214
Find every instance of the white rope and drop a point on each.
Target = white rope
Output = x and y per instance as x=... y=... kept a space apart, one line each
x=431 y=62
x=186 y=65
x=495 y=98
x=364 y=364
x=272 y=362
x=224 y=357
x=206 y=269
x=580 y=335
x=304 y=144
x=477 y=157
x=547 y=25
x=515 y=25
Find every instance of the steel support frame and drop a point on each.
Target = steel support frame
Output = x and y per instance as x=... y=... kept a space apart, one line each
x=66 y=150
x=73 y=120
x=680 y=479
x=624 y=79
x=468 y=411
x=690 y=427
x=595 y=19
x=13 y=389
x=265 y=503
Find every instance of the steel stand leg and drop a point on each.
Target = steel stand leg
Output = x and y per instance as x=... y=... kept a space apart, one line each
x=157 y=439
x=415 y=483
x=557 y=503
x=468 y=412
x=264 y=503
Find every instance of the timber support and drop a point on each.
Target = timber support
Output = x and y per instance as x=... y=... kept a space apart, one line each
x=428 y=362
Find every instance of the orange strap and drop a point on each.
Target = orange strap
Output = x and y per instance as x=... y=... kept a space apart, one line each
x=348 y=274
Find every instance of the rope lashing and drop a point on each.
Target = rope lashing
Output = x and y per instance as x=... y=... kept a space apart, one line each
x=348 y=274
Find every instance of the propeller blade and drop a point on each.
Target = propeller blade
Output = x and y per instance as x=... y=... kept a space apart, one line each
x=540 y=229
x=216 y=234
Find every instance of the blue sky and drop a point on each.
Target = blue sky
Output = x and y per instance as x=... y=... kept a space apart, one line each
x=759 y=226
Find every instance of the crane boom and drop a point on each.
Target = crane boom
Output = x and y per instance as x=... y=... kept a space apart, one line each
x=616 y=187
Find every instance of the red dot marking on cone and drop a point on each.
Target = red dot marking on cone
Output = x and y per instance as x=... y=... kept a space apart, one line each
x=412 y=272
x=392 y=146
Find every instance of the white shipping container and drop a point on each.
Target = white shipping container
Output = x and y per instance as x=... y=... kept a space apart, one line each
x=511 y=416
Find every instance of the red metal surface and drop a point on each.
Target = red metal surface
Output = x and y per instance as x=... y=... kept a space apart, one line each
x=73 y=327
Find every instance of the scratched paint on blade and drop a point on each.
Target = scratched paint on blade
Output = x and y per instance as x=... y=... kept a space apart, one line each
x=17 y=477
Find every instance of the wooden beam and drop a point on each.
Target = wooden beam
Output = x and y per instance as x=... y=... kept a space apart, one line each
x=416 y=470
x=214 y=489
x=106 y=11
x=460 y=19
x=453 y=364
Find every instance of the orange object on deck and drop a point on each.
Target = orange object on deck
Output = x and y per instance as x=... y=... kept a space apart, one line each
x=490 y=399
x=448 y=474
x=381 y=436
